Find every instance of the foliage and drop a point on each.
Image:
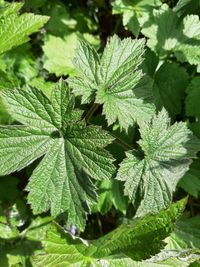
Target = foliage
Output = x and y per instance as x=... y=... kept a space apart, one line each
x=99 y=133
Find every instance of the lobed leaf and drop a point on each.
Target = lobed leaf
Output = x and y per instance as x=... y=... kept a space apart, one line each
x=116 y=80
x=168 y=149
x=167 y=34
x=15 y=28
x=74 y=153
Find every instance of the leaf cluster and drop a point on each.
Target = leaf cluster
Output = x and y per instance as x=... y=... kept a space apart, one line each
x=99 y=133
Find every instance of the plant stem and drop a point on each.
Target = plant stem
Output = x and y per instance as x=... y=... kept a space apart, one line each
x=119 y=141
x=122 y=143
x=91 y=111
x=100 y=225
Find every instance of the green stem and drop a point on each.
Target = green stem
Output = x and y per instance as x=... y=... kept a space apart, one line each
x=122 y=143
x=91 y=111
x=119 y=141
x=100 y=225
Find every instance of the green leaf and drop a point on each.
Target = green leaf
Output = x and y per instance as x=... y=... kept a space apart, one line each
x=142 y=237
x=173 y=258
x=184 y=7
x=150 y=63
x=74 y=153
x=17 y=249
x=110 y=194
x=139 y=240
x=15 y=28
x=135 y=13
x=195 y=127
x=59 y=52
x=41 y=84
x=61 y=21
x=151 y=179
x=186 y=234
x=7 y=81
x=193 y=94
x=170 y=92
x=116 y=80
x=20 y=146
x=167 y=35
x=191 y=180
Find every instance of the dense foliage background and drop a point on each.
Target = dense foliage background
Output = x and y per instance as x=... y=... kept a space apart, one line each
x=171 y=63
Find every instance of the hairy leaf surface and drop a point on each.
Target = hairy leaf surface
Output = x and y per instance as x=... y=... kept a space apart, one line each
x=167 y=34
x=15 y=28
x=135 y=13
x=120 y=246
x=74 y=153
x=115 y=80
x=151 y=179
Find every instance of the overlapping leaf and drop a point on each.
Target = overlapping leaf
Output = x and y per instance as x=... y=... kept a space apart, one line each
x=184 y=7
x=59 y=52
x=73 y=152
x=193 y=94
x=191 y=180
x=167 y=34
x=16 y=248
x=116 y=80
x=15 y=28
x=186 y=234
x=135 y=13
x=120 y=246
x=168 y=150
x=170 y=92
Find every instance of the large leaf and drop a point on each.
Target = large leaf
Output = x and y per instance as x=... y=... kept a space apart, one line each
x=151 y=179
x=15 y=28
x=116 y=79
x=167 y=34
x=139 y=239
x=73 y=152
